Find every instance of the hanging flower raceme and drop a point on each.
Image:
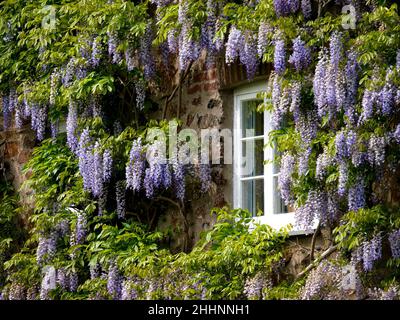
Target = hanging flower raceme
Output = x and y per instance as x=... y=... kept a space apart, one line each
x=96 y=53
x=136 y=166
x=178 y=176
x=47 y=247
x=54 y=80
x=114 y=281
x=342 y=152
x=248 y=56
x=145 y=54
x=128 y=289
x=316 y=207
x=319 y=85
x=376 y=150
x=161 y=3
x=80 y=228
x=352 y=76
x=280 y=101
x=72 y=120
x=107 y=165
x=301 y=56
x=113 y=43
x=333 y=212
x=129 y=59
x=85 y=155
x=7 y=115
x=62 y=279
x=157 y=165
x=38 y=120
x=68 y=73
x=120 y=197
x=263 y=41
x=172 y=41
x=343 y=179
x=286 y=7
x=394 y=241
x=279 y=55
x=367 y=104
x=396 y=134
x=140 y=94
x=387 y=95
x=369 y=252
x=208 y=28
x=295 y=100
x=356 y=196
x=97 y=173
x=285 y=177
x=307 y=126
x=306 y=8
x=336 y=49
x=234 y=45
x=189 y=50
x=324 y=161
x=204 y=173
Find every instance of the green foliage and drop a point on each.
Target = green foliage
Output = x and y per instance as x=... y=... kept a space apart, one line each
x=360 y=225
x=225 y=257
x=11 y=235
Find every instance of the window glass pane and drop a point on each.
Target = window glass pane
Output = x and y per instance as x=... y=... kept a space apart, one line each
x=252 y=158
x=279 y=205
x=251 y=119
x=253 y=196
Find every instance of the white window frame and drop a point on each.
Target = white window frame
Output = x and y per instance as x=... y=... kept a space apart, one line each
x=274 y=219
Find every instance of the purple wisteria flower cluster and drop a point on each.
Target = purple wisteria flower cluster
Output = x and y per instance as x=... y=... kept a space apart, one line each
x=315 y=207
x=47 y=247
x=68 y=280
x=285 y=177
x=114 y=281
x=288 y=99
x=279 y=55
x=148 y=169
x=208 y=29
x=391 y=293
x=324 y=161
x=95 y=166
x=120 y=196
x=189 y=50
x=234 y=45
x=368 y=253
x=394 y=241
x=263 y=40
x=136 y=166
x=379 y=99
x=322 y=282
x=253 y=287
x=287 y=7
x=145 y=54
x=113 y=43
x=248 y=55
x=335 y=86
x=301 y=56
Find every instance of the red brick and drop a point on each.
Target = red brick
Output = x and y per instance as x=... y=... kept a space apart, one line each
x=194 y=89
x=11 y=149
x=212 y=74
x=212 y=86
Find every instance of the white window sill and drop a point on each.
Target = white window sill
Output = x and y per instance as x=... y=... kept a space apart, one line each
x=279 y=221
